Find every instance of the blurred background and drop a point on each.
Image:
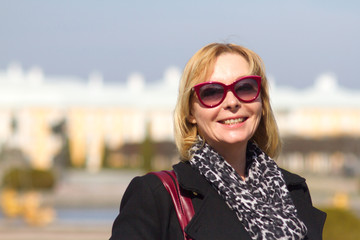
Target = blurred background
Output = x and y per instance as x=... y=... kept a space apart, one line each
x=87 y=91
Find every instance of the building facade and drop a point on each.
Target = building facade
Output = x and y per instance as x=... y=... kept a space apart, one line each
x=99 y=115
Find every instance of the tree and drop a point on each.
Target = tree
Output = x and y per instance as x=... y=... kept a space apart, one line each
x=147 y=150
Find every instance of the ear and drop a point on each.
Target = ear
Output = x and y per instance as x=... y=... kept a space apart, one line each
x=191 y=119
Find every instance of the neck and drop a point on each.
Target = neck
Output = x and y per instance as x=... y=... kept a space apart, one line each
x=236 y=157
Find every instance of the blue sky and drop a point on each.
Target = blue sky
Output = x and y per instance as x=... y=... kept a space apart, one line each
x=298 y=40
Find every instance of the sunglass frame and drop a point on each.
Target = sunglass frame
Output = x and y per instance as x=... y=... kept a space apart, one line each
x=227 y=88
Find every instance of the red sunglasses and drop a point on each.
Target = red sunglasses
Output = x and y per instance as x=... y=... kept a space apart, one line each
x=212 y=94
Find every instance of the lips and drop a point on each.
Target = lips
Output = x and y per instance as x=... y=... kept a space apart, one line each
x=233 y=121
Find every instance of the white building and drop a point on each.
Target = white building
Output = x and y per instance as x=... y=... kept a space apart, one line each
x=99 y=113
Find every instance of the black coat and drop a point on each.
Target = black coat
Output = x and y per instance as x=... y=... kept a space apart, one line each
x=147 y=212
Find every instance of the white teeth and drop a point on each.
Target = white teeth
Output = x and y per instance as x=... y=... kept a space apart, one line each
x=234 y=121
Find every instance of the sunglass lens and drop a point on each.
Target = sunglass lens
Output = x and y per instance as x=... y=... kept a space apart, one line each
x=246 y=89
x=211 y=94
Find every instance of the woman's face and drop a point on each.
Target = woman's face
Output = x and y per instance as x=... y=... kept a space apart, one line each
x=232 y=122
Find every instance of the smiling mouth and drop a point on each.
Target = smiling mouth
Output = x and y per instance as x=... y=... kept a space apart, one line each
x=233 y=121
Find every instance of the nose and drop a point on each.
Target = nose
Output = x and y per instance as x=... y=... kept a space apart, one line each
x=231 y=101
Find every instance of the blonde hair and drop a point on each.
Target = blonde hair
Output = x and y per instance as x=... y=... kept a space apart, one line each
x=198 y=69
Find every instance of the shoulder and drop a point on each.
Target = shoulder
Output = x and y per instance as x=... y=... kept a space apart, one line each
x=145 y=211
x=143 y=187
x=147 y=181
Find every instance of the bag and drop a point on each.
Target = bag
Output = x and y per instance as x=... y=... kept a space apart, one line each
x=183 y=205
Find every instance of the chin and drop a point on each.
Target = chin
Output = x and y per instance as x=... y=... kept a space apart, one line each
x=235 y=141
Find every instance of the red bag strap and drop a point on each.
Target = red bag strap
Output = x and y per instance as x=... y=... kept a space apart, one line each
x=183 y=205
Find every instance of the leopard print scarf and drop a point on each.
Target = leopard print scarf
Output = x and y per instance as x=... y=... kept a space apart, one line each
x=262 y=202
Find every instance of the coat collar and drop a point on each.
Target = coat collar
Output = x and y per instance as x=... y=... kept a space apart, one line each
x=189 y=179
x=292 y=179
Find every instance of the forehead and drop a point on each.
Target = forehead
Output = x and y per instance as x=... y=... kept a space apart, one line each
x=229 y=67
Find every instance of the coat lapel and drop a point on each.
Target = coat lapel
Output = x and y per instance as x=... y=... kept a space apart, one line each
x=313 y=218
x=213 y=215
x=211 y=211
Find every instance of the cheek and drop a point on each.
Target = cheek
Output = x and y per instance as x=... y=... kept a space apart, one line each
x=258 y=112
x=202 y=117
x=261 y=111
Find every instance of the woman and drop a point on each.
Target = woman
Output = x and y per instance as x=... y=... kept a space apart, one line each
x=226 y=135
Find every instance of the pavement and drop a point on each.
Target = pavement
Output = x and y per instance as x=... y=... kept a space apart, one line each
x=54 y=231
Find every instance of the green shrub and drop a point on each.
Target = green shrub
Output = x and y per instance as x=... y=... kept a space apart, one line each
x=341 y=224
x=29 y=179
